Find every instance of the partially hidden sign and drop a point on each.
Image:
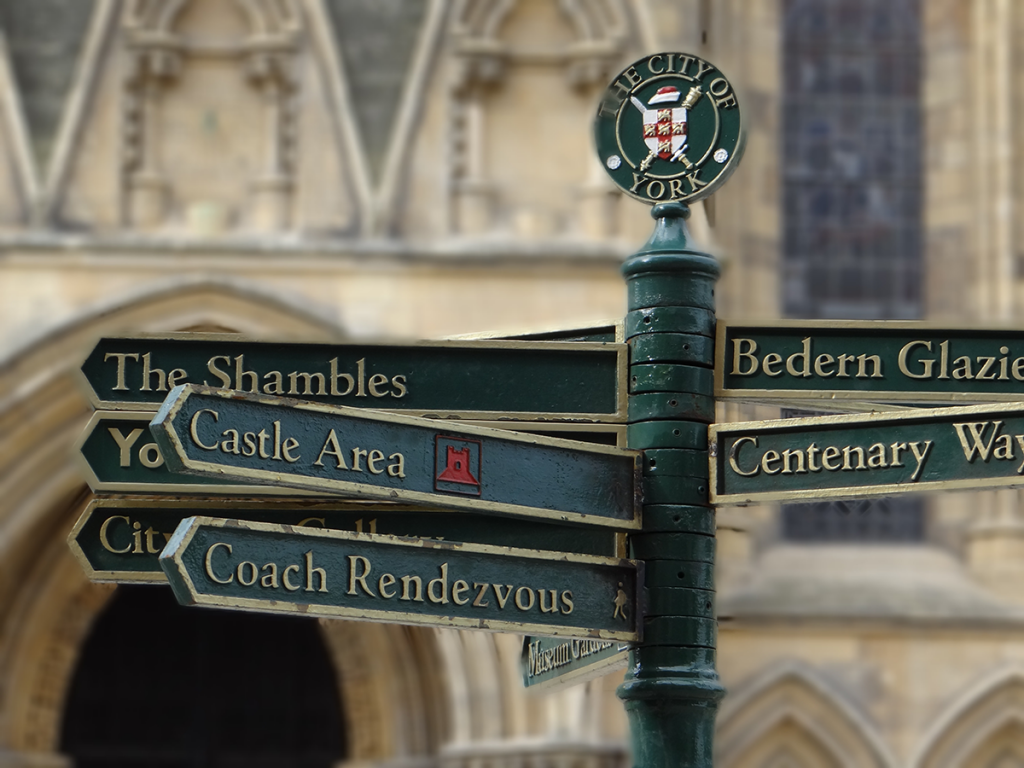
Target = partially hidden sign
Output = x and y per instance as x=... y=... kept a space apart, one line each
x=119 y=540
x=552 y=663
x=517 y=380
x=375 y=455
x=879 y=361
x=262 y=567
x=834 y=457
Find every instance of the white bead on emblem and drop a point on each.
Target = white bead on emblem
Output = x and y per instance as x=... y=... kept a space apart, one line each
x=721 y=155
x=613 y=162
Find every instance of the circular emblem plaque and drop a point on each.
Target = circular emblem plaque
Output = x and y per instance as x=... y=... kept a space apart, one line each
x=668 y=128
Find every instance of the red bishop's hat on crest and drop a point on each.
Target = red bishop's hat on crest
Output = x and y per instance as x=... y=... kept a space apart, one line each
x=668 y=93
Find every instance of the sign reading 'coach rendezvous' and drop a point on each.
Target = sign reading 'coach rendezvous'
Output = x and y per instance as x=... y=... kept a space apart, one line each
x=278 y=568
x=375 y=455
x=881 y=361
x=469 y=379
x=980 y=446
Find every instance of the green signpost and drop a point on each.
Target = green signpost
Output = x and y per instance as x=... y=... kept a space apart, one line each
x=515 y=380
x=668 y=131
x=288 y=569
x=119 y=540
x=375 y=455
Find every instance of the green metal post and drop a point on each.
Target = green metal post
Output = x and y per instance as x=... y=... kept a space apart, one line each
x=672 y=690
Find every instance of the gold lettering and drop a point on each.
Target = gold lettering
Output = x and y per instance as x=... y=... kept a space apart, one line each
x=121 y=357
x=772 y=358
x=398 y=382
x=125 y=443
x=275 y=385
x=311 y=571
x=351 y=382
x=356 y=454
x=208 y=563
x=241 y=374
x=738 y=354
x=826 y=457
x=786 y=455
x=307 y=383
x=253 y=571
x=650 y=64
x=385 y=583
x=105 y=540
x=397 y=468
x=288 y=582
x=231 y=444
x=876 y=366
x=376 y=381
x=335 y=451
x=502 y=599
x=195 y=434
x=289 y=445
x=928 y=364
x=211 y=366
x=458 y=588
x=371 y=462
x=805 y=356
x=406 y=581
x=734 y=453
x=269 y=578
x=848 y=451
x=519 y=601
x=544 y=608
x=355 y=579
x=442 y=582
x=478 y=601
x=567 y=604
x=819 y=365
x=147 y=374
x=770 y=457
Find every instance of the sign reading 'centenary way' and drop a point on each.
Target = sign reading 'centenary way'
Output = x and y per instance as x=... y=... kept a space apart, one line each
x=119 y=539
x=668 y=128
x=471 y=379
x=881 y=361
x=279 y=568
x=374 y=455
x=551 y=663
x=979 y=446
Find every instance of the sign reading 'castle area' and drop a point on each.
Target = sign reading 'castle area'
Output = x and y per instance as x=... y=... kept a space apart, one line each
x=119 y=539
x=980 y=446
x=881 y=361
x=546 y=381
x=278 y=568
x=374 y=455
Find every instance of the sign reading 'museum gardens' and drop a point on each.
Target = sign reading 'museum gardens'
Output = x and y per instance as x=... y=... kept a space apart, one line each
x=576 y=381
x=374 y=455
x=868 y=455
x=882 y=361
x=286 y=569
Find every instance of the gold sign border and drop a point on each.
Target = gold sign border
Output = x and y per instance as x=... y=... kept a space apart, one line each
x=170 y=409
x=621 y=374
x=171 y=557
x=853 y=492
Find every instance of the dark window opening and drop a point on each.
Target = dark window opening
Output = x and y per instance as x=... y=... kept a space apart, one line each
x=159 y=685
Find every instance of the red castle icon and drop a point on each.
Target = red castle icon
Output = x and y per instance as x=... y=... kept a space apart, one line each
x=457 y=467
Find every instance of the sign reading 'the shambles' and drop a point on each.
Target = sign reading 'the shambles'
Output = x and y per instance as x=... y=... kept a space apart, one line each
x=279 y=568
x=532 y=381
x=880 y=361
x=868 y=455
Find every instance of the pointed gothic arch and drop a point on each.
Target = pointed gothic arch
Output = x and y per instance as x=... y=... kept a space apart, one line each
x=794 y=712
x=984 y=724
x=395 y=675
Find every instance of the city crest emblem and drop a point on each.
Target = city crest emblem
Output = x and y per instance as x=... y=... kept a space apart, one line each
x=668 y=128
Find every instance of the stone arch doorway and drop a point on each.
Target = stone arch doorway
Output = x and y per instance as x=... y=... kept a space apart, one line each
x=159 y=684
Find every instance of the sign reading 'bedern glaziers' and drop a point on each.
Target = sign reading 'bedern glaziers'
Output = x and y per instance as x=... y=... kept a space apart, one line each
x=545 y=381
x=880 y=361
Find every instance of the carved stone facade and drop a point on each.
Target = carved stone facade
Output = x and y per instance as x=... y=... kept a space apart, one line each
x=235 y=165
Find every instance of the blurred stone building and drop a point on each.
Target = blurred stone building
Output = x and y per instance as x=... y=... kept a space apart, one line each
x=354 y=169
